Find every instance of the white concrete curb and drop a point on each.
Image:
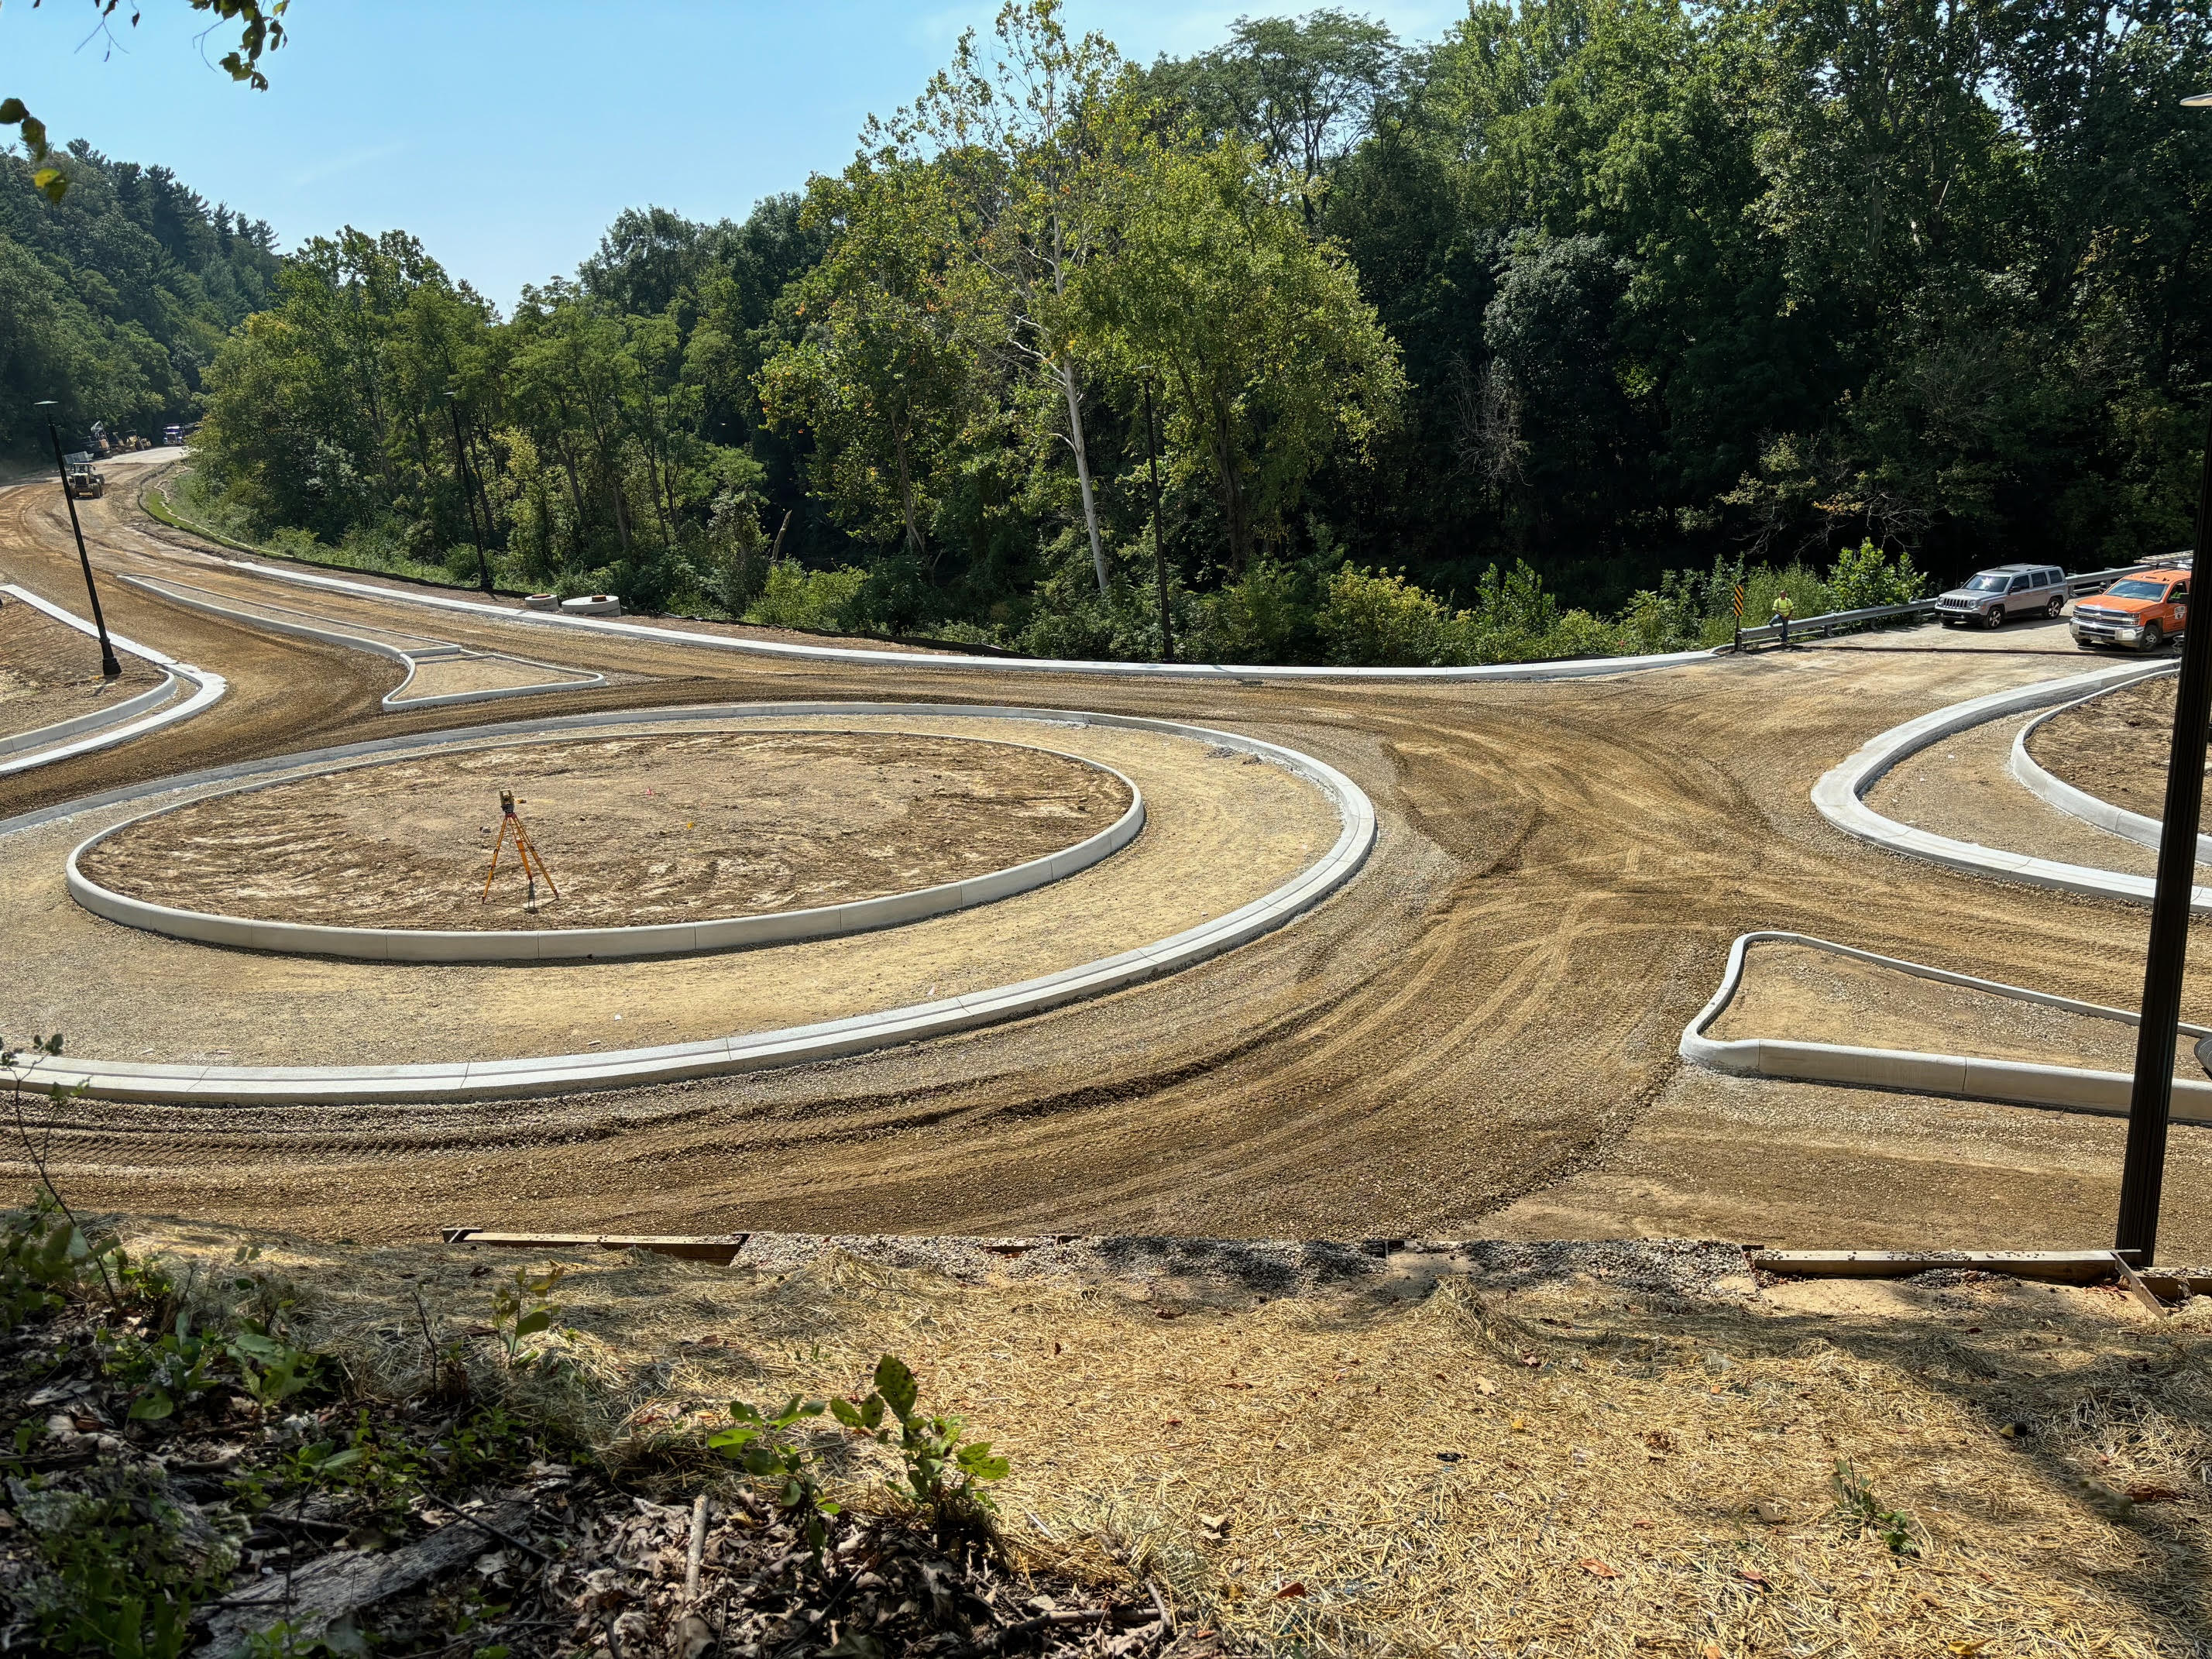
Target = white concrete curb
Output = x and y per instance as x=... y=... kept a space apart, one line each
x=753 y=1051
x=396 y=698
x=2080 y=803
x=1577 y=668
x=1839 y=794
x=2019 y=1082
x=592 y=944
x=111 y=726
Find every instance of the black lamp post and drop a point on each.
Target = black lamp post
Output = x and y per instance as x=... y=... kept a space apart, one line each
x=2143 y=1171
x=109 y=668
x=1159 y=550
x=468 y=497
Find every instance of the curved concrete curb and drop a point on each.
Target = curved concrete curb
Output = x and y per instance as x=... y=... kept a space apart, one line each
x=2019 y=1082
x=594 y=944
x=108 y=726
x=2033 y=776
x=754 y=1051
x=1577 y=668
x=1839 y=794
x=396 y=698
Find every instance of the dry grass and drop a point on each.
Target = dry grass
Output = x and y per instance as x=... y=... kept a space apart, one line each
x=1628 y=1473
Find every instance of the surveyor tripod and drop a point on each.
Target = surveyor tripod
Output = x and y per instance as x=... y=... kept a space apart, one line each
x=532 y=865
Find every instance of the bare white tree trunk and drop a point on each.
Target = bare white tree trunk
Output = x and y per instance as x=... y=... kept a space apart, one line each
x=1067 y=370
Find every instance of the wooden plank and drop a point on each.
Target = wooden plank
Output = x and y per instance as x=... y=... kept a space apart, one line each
x=2046 y=1267
x=2136 y=1288
x=721 y=1248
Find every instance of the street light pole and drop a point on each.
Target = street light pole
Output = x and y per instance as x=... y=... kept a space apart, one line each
x=1159 y=551
x=2142 y=1170
x=468 y=499
x=109 y=668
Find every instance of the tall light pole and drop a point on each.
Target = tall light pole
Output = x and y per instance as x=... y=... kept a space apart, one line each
x=1159 y=549
x=109 y=668
x=2143 y=1171
x=468 y=498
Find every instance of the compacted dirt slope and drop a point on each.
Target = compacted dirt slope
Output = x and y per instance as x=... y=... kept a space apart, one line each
x=1490 y=1007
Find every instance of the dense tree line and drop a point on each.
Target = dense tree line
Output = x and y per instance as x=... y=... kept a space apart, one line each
x=114 y=300
x=1433 y=339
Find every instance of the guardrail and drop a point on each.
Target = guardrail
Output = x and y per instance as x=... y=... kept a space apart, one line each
x=1837 y=622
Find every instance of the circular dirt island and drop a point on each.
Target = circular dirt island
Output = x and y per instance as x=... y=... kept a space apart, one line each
x=636 y=831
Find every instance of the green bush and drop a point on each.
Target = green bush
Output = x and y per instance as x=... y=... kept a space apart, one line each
x=1262 y=617
x=793 y=596
x=1378 y=619
x=1862 y=577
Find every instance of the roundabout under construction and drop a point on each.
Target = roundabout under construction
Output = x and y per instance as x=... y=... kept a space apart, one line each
x=859 y=940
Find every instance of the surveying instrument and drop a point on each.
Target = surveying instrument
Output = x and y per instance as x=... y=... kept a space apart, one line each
x=532 y=865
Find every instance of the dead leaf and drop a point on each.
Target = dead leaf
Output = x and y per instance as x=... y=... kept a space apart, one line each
x=2153 y=1495
x=1752 y=1576
x=1713 y=1652
x=1290 y=1592
x=1964 y=1649
x=1215 y=1527
x=1483 y=1385
x=1597 y=1569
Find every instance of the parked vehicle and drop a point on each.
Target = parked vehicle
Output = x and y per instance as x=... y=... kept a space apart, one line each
x=2144 y=611
x=172 y=435
x=2010 y=590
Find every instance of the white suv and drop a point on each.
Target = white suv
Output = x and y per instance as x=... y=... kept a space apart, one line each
x=2010 y=590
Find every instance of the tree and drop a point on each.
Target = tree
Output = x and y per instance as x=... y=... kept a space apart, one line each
x=260 y=28
x=1304 y=89
x=885 y=370
x=1269 y=357
x=1036 y=146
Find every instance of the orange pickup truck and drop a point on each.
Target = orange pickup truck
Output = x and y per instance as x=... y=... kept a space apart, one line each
x=2144 y=611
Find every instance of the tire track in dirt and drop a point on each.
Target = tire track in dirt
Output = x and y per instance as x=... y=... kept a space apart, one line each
x=1559 y=870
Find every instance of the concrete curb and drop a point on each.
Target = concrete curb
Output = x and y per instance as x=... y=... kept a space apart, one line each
x=1577 y=668
x=116 y=725
x=2018 y=1082
x=2080 y=803
x=753 y=1051
x=396 y=698
x=591 y=944
x=1839 y=794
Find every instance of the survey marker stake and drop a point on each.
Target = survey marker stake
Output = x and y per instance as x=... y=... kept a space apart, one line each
x=532 y=865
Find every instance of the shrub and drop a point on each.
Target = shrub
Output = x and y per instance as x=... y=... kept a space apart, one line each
x=793 y=596
x=1862 y=577
x=1377 y=618
x=1261 y=618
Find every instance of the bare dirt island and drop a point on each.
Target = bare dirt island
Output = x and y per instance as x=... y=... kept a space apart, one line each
x=2113 y=746
x=634 y=829
x=50 y=673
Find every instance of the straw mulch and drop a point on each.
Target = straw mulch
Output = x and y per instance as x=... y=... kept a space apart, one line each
x=1572 y=1468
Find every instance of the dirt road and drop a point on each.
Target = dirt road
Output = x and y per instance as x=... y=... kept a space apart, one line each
x=1491 y=1005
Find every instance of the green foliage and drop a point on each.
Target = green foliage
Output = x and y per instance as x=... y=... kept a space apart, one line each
x=766 y=1449
x=44 y=1259
x=944 y=1474
x=523 y=1309
x=125 y=1562
x=1860 y=1509
x=794 y=597
x=1862 y=577
x=1380 y=618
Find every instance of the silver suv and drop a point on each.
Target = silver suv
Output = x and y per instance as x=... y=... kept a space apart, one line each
x=2010 y=590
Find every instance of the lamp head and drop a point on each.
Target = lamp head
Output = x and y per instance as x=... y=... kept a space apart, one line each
x=45 y=403
x=2198 y=101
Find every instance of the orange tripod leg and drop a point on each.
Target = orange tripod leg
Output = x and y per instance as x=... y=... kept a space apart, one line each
x=495 y=847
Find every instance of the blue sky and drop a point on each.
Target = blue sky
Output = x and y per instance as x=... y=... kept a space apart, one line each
x=506 y=135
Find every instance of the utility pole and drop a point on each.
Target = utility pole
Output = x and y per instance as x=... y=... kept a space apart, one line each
x=109 y=668
x=2143 y=1171
x=1159 y=551
x=468 y=498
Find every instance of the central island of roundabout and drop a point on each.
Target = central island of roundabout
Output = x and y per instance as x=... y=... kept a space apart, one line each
x=742 y=886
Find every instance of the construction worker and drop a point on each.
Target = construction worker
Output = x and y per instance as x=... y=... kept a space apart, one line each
x=1783 y=612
